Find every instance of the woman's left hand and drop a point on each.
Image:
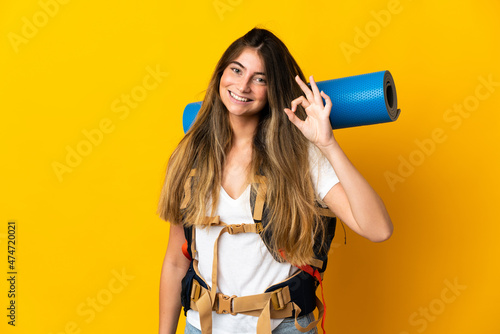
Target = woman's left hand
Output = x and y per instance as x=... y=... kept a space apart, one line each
x=316 y=127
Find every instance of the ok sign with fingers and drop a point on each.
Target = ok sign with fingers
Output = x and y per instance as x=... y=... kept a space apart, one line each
x=316 y=127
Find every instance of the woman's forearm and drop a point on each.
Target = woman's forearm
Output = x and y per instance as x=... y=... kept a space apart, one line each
x=367 y=207
x=170 y=302
x=175 y=266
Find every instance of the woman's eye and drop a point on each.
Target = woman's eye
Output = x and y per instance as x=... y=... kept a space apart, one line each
x=235 y=70
x=260 y=80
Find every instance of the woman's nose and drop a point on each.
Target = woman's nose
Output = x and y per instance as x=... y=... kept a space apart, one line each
x=244 y=85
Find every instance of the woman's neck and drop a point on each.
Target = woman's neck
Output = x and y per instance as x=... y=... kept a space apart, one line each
x=244 y=129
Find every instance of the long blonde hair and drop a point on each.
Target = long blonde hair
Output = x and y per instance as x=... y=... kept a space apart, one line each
x=280 y=152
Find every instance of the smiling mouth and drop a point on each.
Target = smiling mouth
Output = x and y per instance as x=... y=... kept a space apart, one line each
x=239 y=98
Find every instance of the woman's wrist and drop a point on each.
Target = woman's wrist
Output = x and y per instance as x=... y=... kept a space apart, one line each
x=328 y=147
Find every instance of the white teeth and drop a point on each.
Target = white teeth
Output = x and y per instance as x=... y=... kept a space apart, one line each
x=242 y=99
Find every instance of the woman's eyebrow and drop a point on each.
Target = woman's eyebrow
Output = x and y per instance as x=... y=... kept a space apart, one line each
x=243 y=67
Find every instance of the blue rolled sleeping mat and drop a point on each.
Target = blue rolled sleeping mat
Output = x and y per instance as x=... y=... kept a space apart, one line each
x=356 y=100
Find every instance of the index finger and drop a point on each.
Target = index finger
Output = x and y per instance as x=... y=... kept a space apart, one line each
x=305 y=89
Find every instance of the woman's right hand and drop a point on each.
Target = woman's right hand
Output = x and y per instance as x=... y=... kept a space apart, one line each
x=316 y=127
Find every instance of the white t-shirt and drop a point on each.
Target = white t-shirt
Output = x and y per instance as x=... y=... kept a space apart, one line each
x=245 y=265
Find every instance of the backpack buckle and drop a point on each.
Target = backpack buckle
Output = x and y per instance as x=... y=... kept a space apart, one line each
x=235 y=228
x=277 y=299
x=195 y=291
x=224 y=304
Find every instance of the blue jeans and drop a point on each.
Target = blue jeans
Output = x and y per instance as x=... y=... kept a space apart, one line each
x=288 y=325
x=285 y=327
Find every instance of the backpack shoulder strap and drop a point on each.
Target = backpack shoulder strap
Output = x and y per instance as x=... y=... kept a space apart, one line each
x=259 y=198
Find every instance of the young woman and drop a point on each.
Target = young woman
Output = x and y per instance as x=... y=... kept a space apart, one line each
x=261 y=141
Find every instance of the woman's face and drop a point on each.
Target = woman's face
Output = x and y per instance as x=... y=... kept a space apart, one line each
x=243 y=85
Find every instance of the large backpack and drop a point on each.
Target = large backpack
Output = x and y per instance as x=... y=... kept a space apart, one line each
x=289 y=298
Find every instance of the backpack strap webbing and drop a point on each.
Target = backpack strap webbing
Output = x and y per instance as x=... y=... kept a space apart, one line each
x=260 y=198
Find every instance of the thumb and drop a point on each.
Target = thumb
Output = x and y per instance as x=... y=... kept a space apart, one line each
x=293 y=118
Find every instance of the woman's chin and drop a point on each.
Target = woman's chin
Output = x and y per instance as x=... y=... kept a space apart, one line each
x=242 y=113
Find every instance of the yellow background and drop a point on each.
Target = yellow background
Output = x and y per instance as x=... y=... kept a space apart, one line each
x=78 y=233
